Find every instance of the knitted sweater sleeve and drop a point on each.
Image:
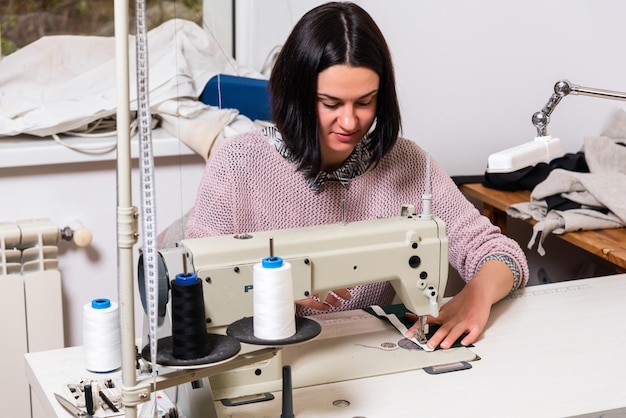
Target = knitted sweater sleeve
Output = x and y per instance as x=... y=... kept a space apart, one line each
x=472 y=237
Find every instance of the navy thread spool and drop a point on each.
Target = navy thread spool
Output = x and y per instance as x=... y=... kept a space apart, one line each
x=189 y=335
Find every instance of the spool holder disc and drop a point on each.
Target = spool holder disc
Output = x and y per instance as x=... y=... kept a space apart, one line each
x=243 y=330
x=224 y=348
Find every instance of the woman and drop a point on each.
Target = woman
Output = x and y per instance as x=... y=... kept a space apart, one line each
x=335 y=150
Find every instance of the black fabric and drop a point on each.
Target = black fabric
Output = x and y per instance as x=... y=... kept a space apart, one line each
x=558 y=202
x=528 y=177
x=460 y=180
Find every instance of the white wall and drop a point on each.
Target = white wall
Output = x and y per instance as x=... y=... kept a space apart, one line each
x=471 y=73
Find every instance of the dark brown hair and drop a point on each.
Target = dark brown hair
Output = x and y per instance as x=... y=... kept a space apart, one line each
x=335 y=33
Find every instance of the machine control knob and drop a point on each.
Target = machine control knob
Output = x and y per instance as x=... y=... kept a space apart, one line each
x=415 y=261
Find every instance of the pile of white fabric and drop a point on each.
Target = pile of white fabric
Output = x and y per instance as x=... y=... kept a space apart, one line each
x=600 y=194
x=61 y=84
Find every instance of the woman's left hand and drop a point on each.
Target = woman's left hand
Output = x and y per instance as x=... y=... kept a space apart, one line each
x=467 y=313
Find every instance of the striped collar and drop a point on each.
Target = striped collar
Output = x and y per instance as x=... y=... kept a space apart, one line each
x=354 y=166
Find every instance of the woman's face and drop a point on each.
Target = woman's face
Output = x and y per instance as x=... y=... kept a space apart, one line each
x=346 y=108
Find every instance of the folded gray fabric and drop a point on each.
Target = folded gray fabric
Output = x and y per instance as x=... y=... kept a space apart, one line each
x=617 y=126
x=528 y=210
x=560 y=222
x=596 y=190
x=605 y=155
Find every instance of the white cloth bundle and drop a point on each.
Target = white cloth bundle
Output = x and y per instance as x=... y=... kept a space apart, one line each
x=61 y=83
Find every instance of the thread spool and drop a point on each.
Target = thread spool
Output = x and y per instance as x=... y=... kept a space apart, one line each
x=189 y=334
x=101 y=336
x=273 y=304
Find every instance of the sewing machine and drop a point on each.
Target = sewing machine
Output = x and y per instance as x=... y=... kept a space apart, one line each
x=409 y=250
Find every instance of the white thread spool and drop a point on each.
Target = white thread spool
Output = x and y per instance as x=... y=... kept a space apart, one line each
x=101 y=336
x=274 y=311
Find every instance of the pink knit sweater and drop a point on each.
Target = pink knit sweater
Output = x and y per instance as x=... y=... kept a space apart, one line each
x=248 y=186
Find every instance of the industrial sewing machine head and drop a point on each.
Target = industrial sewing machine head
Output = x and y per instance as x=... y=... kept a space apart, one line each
x=410 y=251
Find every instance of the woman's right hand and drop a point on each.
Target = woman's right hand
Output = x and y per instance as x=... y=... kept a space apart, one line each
x=334 y=299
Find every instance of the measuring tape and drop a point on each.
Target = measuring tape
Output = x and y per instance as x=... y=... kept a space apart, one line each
x=148 y=198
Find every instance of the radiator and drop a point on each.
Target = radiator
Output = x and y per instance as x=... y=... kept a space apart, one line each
x=31 y=307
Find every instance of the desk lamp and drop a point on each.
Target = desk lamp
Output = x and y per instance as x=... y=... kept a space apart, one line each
x=544 y=147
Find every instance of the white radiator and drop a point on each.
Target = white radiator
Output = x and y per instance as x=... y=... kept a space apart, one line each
x=31 y=307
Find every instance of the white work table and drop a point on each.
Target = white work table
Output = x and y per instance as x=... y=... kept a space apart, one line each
x=554 y=350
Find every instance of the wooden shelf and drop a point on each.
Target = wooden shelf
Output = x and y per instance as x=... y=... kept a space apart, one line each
x=609 y=244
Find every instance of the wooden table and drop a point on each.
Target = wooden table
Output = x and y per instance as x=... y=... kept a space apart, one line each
x=609 y=244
